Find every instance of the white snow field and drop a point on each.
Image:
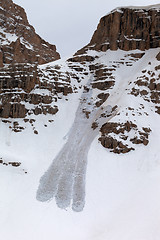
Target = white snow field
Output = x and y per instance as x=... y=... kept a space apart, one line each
x=114 y=196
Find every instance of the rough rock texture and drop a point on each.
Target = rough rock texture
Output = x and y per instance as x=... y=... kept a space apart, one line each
x=149 y=80
x=122 y=130
x=26 y=89
x=127 y=29
x=16 y=82
x=158 y=56
x=18 y=39
x=20 y=53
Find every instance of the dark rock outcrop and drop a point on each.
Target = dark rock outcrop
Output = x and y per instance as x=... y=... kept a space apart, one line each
x=18 y=39
x=127 y=29
x=20 y=52
x=158 y=56
x=26 y=90
x=122 y=131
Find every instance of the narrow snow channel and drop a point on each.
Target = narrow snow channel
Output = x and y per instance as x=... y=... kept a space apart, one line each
x=66 y=177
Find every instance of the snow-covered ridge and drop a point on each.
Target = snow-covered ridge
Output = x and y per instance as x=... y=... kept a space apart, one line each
x=141 y=8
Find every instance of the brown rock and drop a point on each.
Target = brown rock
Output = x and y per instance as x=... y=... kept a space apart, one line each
x=158 y=87
x=158 y=110
x=143 y=92
x=126 y=29
x=157 y=67
x=152 y=86
x=103 y=85
x=13 y=110
x=103 y=97
x=28 y=47
x=85 y=58
x=145 y=142
x=37 y=111
x=158 y=56
x=15 y=164
x=47 y=99
x=1 y=59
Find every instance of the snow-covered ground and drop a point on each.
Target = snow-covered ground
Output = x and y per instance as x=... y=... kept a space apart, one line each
x=65 y=179
x=122 y=192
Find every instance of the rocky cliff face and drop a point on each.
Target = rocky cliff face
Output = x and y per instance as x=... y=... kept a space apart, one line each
x=20 y=53
x=133 y=30
x=28 y=90
x=18 y=39
x=127 y=29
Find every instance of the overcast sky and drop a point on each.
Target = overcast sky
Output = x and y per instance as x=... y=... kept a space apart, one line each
x=69 y=24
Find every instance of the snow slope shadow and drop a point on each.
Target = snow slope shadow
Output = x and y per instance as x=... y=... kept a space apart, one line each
x=65 y=179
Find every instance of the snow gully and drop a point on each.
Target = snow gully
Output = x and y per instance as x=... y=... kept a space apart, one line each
x=66 y=177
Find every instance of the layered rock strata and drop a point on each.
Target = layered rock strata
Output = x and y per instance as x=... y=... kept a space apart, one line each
x=127 y=29
x=20 y=53
x=18 y=39
x=22 y=86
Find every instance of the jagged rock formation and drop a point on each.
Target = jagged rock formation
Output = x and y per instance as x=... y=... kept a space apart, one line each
x=18 y=39
x=127 y=29
x=21 y=50
x=22 y=85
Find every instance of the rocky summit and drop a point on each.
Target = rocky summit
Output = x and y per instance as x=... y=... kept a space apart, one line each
x=21 y=51
x=18 y=39
x=81 y=134
x=127 y=29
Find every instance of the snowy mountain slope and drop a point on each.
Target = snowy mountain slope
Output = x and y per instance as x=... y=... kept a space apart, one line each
x=121 y=189
x=80 y=159
x=56 y=182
